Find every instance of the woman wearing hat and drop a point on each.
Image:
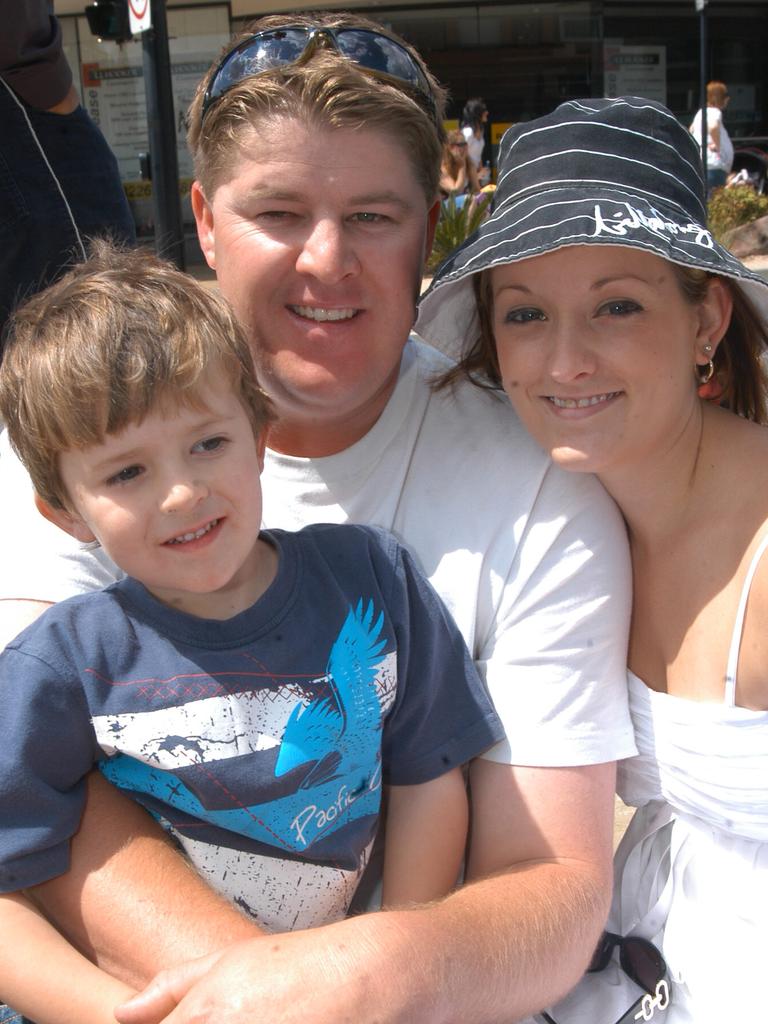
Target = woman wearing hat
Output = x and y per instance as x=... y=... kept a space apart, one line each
x=630 y=344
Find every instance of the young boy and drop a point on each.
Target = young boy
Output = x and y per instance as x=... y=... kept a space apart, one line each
x=251 y=689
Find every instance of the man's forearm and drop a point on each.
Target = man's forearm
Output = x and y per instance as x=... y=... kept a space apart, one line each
x=131 y=903
x=494 y=951
x=482 y=956
x=507 y=946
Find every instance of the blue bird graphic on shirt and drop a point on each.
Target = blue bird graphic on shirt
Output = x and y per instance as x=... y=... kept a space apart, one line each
x=331 y=736
x=331 y=747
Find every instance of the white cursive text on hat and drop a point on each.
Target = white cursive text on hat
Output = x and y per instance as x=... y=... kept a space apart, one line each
x=627 y=218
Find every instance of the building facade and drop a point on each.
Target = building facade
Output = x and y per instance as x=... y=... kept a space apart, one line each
x=523 y=58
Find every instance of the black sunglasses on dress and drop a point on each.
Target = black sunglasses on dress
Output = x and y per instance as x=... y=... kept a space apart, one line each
x=642 y=963
x=375 y=53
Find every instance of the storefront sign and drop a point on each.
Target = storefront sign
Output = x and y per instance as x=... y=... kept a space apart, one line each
x=635 y=71
x=139 y=15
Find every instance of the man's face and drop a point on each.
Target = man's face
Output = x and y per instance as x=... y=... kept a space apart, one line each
x=318 y=240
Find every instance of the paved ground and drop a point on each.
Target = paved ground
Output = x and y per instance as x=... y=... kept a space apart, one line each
x=758 y=264
x=623 y=814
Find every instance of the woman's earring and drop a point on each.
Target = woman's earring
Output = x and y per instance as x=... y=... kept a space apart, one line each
x=709 y=387
x=704 y=373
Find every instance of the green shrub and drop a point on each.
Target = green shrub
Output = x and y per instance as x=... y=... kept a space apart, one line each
x=729 y=208
x=143 y=189
x=456 y=223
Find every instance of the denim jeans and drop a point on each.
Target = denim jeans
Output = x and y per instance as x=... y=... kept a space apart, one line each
x=716 y=178
x=9 y=1016
x=59 y=185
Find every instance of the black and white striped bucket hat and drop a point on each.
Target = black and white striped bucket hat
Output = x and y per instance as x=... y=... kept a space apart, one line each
x=593 y=172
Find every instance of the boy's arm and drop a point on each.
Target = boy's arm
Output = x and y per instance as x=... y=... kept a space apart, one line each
x=426 y=834
x=72 y=990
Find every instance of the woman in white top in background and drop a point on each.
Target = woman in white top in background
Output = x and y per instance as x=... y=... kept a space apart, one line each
x=719 y=145
x=630 y=344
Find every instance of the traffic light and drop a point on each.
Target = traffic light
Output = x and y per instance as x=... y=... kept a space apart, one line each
x=108 y=19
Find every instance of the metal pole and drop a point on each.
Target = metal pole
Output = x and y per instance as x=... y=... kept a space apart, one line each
x=701 y=6
x=161 y=124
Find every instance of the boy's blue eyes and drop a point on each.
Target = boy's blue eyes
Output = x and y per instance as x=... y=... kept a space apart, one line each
x=209 y=444
x=204 y=447
x=124 y=475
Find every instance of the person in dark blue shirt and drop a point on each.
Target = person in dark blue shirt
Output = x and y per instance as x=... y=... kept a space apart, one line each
x=59 y=181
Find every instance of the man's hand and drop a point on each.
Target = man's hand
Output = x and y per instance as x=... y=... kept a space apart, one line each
x=331 y=975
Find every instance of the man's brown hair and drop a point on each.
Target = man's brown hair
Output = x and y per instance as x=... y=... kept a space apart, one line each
x=328 y=91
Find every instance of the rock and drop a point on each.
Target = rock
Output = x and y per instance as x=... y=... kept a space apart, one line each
x=749 y=239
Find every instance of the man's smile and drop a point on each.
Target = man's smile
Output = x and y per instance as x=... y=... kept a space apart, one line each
x=322 y=313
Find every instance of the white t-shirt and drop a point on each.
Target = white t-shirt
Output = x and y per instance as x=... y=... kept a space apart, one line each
x=475 y=146
x=531 y=560
x=717 y=159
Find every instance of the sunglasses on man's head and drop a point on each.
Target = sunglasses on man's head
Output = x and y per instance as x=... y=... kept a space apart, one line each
x=373 y=52
x=642 y=963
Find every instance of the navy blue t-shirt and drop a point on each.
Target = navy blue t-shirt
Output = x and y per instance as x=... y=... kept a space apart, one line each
x=260 y=742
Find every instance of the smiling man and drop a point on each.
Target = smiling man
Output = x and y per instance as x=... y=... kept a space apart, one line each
x=319 y=243
x=317 y=148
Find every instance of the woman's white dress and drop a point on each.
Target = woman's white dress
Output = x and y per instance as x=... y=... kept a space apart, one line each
x=717 y=159
x=691 y=872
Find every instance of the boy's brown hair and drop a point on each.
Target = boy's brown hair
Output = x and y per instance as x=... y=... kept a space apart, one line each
x=100 y=348
x=328 y=91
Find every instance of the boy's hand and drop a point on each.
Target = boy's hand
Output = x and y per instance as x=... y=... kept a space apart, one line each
x=165 y=992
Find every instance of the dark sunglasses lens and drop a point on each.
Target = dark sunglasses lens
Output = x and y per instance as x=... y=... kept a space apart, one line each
x=378 y=53
x=643 y=963
x=266 y=51
x=602 y=954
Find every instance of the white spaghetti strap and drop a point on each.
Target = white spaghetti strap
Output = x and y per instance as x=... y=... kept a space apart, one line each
x=733 y=653
x=56 y=181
